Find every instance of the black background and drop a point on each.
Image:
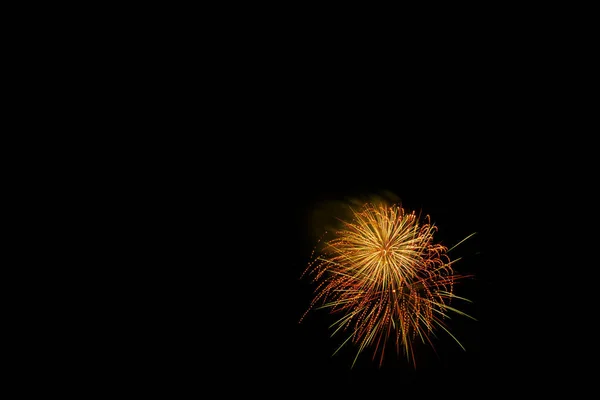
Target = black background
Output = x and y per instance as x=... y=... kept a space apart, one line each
x=217 y=140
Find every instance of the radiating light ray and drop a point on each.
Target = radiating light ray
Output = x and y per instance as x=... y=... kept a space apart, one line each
x=392 y=283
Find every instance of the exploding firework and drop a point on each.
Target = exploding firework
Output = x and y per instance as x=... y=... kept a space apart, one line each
x=392 y=284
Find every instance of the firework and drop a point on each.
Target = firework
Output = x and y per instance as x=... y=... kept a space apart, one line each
x=387 y=278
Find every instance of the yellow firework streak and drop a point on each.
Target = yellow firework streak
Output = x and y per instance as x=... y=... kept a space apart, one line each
x=392 y=284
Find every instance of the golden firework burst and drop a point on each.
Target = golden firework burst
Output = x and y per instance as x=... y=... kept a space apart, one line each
x=388 y=278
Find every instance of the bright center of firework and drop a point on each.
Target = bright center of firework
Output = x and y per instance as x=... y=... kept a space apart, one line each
x=385 y=250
